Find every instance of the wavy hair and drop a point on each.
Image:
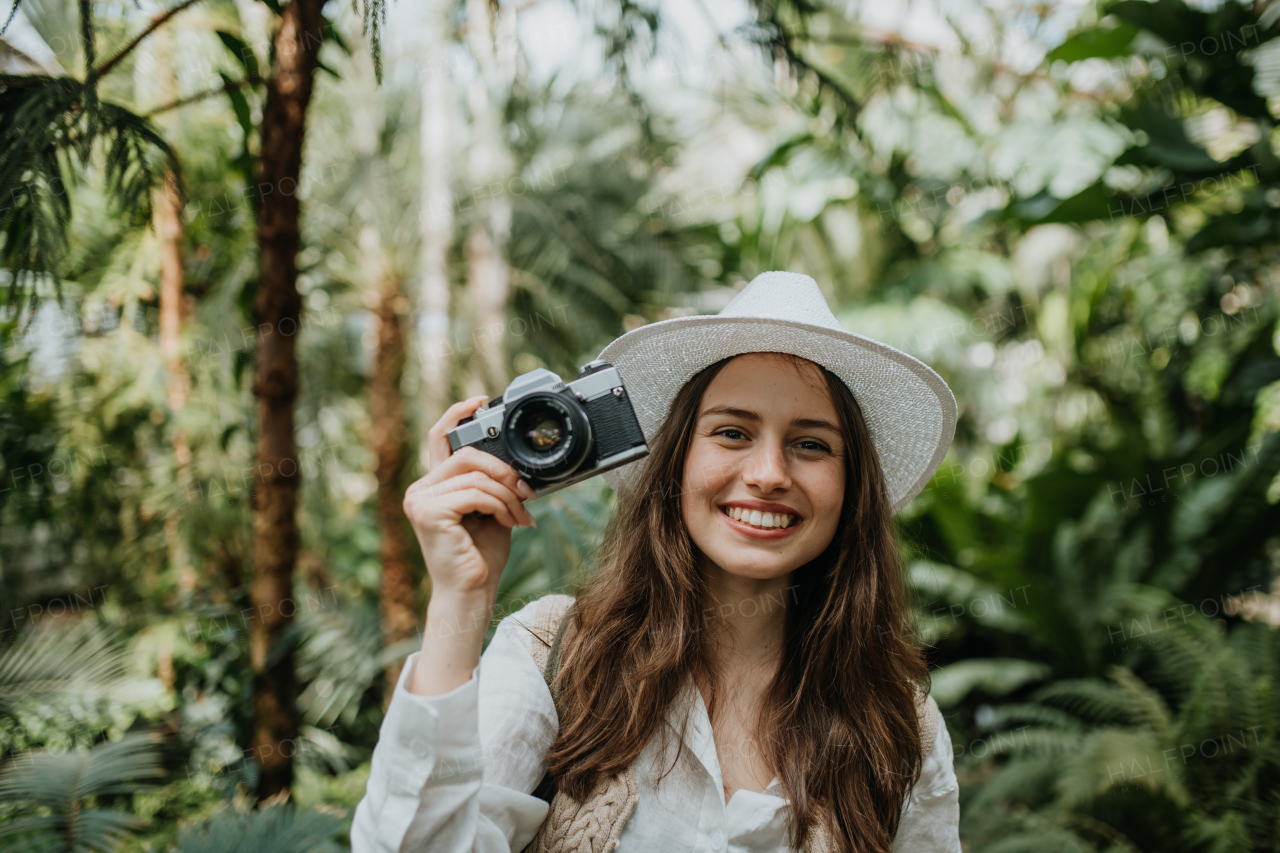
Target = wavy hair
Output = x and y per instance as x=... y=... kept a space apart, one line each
x=838 y=723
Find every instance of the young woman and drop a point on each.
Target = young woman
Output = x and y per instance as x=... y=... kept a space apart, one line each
x=740 y=674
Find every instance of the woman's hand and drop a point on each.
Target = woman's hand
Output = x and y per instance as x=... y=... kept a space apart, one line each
x=465 y=553
x=462 y=513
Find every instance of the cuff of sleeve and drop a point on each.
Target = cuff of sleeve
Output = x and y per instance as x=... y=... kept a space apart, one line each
x=439 y=736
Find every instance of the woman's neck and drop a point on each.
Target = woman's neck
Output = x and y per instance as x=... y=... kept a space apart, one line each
x=745 y=618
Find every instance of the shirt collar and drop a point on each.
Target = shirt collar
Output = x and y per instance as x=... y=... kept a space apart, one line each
x=698 y=736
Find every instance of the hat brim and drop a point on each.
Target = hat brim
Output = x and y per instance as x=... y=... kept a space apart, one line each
x=909 y=410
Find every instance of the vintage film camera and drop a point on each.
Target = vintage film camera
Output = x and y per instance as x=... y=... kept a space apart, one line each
x=556 y=434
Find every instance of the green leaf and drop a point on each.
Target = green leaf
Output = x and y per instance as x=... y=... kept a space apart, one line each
x=1095 y=43
x=330 y=33
x=995 y=676
x=239 y=104
x=242 y=52
x=1246 y=228
x=1171 y=20
x=1091 y=203
x=1168 y=144
x=280 y=829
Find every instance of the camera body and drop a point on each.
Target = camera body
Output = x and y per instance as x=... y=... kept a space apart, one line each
x=556 y=434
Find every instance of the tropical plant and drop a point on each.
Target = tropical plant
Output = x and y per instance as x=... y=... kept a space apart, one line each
x=47 y=120
x=51 y=800
x=278 y=828
x=1180 y=754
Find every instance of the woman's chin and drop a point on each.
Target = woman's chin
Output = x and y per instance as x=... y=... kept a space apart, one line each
x=748 y=568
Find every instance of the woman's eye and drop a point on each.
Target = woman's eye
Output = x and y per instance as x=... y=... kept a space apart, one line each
x=814 y=446
x=731 y=433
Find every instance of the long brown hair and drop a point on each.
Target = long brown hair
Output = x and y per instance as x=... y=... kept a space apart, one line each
x=838 y=722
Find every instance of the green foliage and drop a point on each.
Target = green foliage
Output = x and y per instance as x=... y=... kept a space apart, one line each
x=43 y=121
x=1092 y=271
x=1186 y=759
x=63 y=687
x=279 y=828
x=49 y=798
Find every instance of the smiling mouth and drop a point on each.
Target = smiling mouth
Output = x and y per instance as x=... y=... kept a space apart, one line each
x=761 y=520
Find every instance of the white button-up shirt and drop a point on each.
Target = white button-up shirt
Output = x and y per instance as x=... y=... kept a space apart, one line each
x=454 y=773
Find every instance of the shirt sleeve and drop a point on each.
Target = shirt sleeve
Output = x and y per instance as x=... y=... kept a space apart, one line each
x=454 y=773
x=931 y=823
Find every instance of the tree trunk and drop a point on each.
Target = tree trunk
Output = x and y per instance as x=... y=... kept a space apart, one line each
x=171 y=232
x=275 y=385
x=398 y=599
x=436 y=220
x=169 y=227
x=488 y=275
x=488 y=283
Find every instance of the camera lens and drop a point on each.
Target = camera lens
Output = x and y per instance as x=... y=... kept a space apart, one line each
x=547 y=435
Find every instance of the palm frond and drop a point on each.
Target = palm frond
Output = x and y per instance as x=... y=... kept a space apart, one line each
x=43 y=121
x=49 y=793
x=54 y=659
x=280 y=829
x=340 y=656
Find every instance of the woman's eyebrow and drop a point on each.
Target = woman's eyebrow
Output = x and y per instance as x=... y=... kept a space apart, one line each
x=748 y=415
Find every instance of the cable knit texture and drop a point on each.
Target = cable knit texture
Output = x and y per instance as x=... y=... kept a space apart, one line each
x=594 y=826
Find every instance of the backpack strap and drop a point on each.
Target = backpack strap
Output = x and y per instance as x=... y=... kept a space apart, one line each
x=927 y=709
x=546 y=645
x=547 y=619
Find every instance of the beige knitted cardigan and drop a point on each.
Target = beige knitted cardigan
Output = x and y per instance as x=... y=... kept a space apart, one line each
x=594 y=826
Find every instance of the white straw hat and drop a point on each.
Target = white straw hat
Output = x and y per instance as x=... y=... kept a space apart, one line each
x=909 y=410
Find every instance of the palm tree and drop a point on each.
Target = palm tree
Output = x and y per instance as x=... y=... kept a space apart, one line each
x=51 y=797
x=435 y=211
x=277 y=313
x=45 y=123
x=45 y=120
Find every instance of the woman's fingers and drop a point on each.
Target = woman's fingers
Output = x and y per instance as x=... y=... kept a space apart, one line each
x=473 y=459
x=471 y=468
x=476 y=499
x=479 y=479
x=438 y=436
x=428 y=505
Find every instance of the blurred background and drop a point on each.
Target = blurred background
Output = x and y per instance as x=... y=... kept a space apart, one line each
x=251 y=251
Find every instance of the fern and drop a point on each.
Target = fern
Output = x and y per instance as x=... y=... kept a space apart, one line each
x=1092 y=700
x=1205 y=750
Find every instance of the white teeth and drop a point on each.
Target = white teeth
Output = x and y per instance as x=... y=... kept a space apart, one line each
x=766 y=520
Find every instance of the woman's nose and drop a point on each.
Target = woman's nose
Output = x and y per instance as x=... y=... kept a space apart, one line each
x=766 y=468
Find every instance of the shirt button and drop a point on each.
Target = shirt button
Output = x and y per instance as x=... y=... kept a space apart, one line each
x=717 y=841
